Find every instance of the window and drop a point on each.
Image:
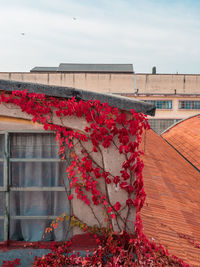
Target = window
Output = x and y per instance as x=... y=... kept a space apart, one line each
x=189 y=104
x=160 y=125
x=32 y=193
x=160 y=104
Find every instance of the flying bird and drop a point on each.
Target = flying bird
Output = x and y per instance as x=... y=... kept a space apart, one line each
x=22 y=33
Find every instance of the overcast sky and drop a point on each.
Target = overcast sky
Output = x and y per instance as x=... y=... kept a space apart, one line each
x=164 y=33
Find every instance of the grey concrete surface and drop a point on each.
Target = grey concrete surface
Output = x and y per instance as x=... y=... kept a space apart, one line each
x=25 y=255
x=123 y=103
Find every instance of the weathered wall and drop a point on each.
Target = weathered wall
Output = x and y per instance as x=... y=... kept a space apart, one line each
x=184 y=85
x=114 y=82
x=100 y=82
x=10 y=123
x=167 y=83
x=109 y=158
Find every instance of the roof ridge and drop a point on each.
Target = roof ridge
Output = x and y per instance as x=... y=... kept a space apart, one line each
x=178 y=122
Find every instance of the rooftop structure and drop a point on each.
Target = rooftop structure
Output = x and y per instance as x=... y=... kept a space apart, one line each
x=44 y=69
x=77 y=67
x=185 y=138
x=171 y=214
x=30 y=143
x=176 y=96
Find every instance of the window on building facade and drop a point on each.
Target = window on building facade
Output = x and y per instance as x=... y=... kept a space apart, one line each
x=160 y=125
x=32 y=191
x=160 y=104
x=189 y=104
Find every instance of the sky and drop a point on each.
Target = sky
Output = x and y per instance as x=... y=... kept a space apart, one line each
x=146 y=33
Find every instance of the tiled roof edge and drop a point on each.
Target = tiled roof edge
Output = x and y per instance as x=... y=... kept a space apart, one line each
x=181 y=154
x=178 y=122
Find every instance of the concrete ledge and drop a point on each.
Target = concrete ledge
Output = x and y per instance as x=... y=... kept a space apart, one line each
x=121 y=102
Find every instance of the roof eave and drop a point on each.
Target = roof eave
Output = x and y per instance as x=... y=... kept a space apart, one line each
x=121 y=102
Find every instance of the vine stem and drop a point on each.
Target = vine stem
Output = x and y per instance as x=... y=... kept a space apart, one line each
x=95 y=216
x=131 y=178
x=108 y=197
x=94 y=161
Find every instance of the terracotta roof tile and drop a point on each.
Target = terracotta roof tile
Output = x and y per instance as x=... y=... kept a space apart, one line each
x=185 y=138
x=172 y=205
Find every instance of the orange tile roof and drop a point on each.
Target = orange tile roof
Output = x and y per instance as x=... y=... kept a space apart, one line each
x=185 y=138
x=172 y=205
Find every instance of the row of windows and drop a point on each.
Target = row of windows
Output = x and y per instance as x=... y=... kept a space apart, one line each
x=161 y=104
x=167 y=104
x=189 y=104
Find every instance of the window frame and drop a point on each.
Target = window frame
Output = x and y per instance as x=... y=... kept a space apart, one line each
x=187 y=103
x=156 y=103
x=7 y=187
x=156 y=124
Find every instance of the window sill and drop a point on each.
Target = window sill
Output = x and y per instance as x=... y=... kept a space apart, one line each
x=79 y=242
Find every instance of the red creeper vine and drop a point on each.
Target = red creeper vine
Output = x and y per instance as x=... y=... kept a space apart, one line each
x=106 y=126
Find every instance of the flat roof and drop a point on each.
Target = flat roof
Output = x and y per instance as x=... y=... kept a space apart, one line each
x=44 y=69
x=78 y=67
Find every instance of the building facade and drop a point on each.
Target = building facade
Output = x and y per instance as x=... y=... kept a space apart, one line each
x=176 y=96
x=33 y=179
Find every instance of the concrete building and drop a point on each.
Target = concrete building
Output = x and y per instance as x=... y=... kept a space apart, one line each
x=33 y=180
x=176 y=96
x=171 y=211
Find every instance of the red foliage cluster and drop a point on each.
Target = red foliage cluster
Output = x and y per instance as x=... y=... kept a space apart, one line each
x=106 y=126
x=113 y=251
x=11 y=263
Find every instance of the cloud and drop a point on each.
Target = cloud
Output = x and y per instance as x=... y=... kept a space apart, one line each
x=144 y=33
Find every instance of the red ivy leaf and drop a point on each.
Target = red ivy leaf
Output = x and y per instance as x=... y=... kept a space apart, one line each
x=70 y=197
x=117 y=206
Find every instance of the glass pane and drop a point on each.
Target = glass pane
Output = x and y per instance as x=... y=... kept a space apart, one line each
x=33 y=230
x=2 y=203
x=1 y=145
x=1 y=173
x=33 y=145
x=38 y=203
x=1 y=230
x=38 y=174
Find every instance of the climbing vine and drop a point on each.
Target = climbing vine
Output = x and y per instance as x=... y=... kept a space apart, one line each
x=120 y=239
